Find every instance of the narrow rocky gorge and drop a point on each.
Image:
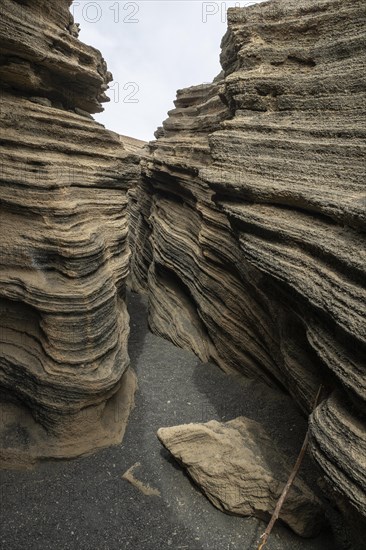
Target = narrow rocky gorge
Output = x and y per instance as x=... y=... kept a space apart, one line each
x=248 y=223
x=243 y=223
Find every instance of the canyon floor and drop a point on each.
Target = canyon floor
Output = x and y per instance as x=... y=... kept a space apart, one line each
x=85 y=503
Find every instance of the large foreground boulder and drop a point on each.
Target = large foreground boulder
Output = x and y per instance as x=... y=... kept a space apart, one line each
x=239 y=469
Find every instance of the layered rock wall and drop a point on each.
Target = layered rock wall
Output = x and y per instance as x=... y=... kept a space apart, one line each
x=249 y=220
x=65 y=382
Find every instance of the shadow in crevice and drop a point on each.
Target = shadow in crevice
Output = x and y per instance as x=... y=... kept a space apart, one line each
x=137 y=309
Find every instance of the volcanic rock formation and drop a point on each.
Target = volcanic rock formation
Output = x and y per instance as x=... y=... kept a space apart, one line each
x=248 y=224
x=238 y=467
x=65 y=383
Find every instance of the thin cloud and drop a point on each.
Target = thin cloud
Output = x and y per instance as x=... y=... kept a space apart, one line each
x=152 y=48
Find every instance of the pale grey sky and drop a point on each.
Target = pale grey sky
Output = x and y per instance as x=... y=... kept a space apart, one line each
x=153 y=48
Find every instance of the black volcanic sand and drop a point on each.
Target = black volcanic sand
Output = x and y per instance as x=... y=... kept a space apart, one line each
x=85 y=503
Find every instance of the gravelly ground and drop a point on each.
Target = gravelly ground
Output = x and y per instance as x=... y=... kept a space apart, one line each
x=85 y=504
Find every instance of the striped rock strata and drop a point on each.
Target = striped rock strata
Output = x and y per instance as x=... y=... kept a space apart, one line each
x=249 y=221
x=65 y=385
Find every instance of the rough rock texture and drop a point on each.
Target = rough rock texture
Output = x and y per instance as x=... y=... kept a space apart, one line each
x=240 y=470
x=249 y=221
x=65 y=385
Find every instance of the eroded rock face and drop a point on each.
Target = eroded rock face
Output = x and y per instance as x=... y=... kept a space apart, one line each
x=239 y=469
x=249 y=221
x=65 y=383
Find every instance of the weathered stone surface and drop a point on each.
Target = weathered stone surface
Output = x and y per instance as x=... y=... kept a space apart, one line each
x=249 y=229
x=240 y=471
x=40 y=55
x=65 y=384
